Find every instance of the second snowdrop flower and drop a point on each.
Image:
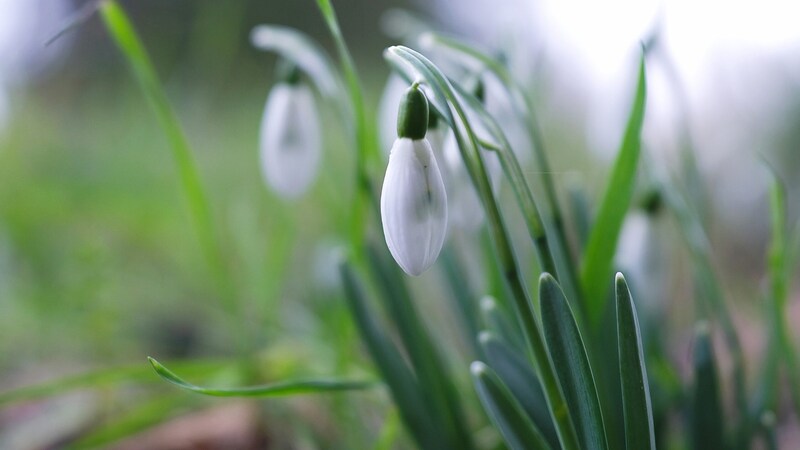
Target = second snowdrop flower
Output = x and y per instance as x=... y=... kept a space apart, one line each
x=290 y=144
x=413 y=199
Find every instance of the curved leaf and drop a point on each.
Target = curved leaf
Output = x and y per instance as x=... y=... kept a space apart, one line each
x=636 y=405
x=505 y=411
x=292 y=387
x=572 y=364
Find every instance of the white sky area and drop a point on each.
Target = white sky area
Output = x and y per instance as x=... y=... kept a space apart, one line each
x=739 y=61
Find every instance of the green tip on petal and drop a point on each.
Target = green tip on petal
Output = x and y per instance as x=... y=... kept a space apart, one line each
x=412 y=118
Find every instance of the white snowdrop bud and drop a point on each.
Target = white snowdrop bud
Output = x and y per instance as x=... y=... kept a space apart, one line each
x=290 y=144
x=413 y=199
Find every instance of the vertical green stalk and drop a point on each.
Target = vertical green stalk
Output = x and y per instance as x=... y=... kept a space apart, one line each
x=124 y=35
x=366 y=150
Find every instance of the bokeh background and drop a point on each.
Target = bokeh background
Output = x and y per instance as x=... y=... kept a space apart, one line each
x=100 y=265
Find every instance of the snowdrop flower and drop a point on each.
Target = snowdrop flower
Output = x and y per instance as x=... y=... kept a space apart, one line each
x=413 y=199
x=290 y=146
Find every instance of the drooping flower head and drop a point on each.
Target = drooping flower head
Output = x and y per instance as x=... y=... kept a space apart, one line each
x=290 y=145
x=413 y=199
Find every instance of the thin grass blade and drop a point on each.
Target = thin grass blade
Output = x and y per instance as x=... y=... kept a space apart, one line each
x=706 y=413
x=636 y=404
x=282 y=388
x=402 y=382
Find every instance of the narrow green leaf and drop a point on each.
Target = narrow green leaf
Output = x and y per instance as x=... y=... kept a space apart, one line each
x=435 y=383
x=636 y=405
x=517 y=374
x=600 y=250
x=402 y=382
x=505 y=411
x=571 y=364
x=303 y=51
x=707 y=414
x=498 y=321
x=292 y=387
x=581 y=215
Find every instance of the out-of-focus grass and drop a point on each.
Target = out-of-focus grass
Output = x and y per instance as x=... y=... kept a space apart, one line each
x=100 y=261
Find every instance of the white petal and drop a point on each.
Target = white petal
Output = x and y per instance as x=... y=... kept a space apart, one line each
x=290 y=140
x=413 y=206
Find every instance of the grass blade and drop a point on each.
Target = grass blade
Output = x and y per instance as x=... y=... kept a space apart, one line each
x=599 y=256
x=707 y=415
x=636 y=405
x=516 y=373
x=504 y=410
x=292 y=387
x=402 y=382
x=571 y=364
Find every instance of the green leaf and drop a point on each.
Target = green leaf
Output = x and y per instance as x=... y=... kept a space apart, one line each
x=301 y=50
x=291 y=387
x=499 y=322
x=402 y=382
x=515 y=372
x=571 y=364
x=600 y=250
x=435 y=383
x=636 y=405
x=707 y=415
x=505 y=411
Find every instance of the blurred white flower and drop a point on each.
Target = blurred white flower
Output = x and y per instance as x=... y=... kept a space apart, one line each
x=465 y=210
x=413 y=205
x=641 y=257
x=290 y=139
x=499 y=105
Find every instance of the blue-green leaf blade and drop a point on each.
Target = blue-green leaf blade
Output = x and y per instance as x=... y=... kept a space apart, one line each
x=599 y=257
x=505 y=411
x=706 y=420
x=571 y=363
x=636 y=405
x=516 y=373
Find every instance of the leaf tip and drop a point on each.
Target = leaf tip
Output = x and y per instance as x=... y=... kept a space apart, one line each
x=484 y=337
x=620 y=283
x=488 y=304
x=478 y=369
